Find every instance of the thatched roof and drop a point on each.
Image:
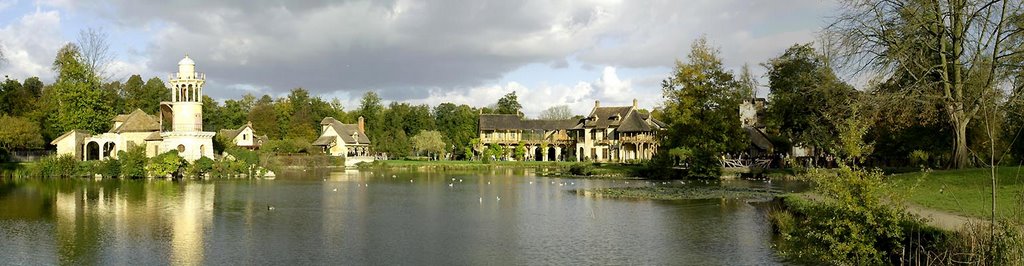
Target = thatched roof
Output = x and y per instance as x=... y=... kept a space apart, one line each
x=346 y=131
x=759 y=138
x=514 y=122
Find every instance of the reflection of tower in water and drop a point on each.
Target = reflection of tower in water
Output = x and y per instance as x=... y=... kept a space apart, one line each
x=192 y=213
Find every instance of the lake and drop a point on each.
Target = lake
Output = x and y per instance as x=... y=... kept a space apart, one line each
x=498 y=217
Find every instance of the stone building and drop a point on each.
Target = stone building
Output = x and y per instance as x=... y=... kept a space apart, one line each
x=184 y=113
x=608 y=134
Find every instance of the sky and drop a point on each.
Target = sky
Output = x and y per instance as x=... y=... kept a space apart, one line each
x=550 y=52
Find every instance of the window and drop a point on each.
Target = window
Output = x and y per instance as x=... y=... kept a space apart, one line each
x=181 y=148
x=245 y=137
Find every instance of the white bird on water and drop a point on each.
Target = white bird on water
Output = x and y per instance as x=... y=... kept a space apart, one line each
x=498 y=198
x=335 y=190
x=270 y=208
x=481 y=199
x=451 y=185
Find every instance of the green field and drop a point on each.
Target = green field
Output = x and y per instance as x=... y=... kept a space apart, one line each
x=966 y=192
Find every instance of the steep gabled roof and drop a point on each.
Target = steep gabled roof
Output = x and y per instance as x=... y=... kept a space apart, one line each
x=605 y=117
x=759 y=138
x=346 y=131
x=637 y=122
x=232 y=133
x=137 y=121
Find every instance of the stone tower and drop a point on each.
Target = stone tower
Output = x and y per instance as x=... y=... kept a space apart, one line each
x=186 y=106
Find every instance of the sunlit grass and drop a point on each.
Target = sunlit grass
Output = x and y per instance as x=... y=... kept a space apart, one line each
x=966 y=192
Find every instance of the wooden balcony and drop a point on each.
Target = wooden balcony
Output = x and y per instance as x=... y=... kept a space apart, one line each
x=638 y=139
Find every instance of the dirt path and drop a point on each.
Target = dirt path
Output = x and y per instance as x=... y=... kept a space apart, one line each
x=942 y=219
x=937 y=218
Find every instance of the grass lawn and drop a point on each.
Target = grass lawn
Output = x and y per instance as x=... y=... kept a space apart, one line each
x=966 y=192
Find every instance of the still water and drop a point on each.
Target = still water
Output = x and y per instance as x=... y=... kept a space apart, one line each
x=483 y=218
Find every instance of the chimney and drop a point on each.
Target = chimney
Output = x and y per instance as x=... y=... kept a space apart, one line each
x=597 y=103
x=634 y=103
x=362 y=126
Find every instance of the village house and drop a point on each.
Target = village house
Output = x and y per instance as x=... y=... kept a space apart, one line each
x=243 y=137
x=344 y=140
x=608 y=134
x=185 y=115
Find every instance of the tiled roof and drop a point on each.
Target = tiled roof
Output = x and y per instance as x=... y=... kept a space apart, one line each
x=137 y=121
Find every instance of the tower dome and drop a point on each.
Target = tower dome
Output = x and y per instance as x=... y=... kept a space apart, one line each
x=186 y=67
x=186 y=61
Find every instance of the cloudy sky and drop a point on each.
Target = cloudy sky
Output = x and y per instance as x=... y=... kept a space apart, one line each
x=472 y=52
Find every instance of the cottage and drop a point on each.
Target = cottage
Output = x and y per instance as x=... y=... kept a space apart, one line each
x=345 y=140
x=243 y=137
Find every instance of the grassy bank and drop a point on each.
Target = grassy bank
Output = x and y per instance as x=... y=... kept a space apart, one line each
x=594 y=170
x=965 y=192
x=675 y=192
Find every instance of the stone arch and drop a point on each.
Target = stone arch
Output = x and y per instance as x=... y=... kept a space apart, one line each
x=109 y=149
x=551 y=153
x=202 y=150
x=92 y=151
x=538 y=154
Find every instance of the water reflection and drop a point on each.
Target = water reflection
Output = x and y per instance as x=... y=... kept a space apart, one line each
x=499 y=216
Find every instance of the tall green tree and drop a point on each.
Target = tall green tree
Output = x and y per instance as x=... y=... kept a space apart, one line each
x=302 y=125
x=372 y=111
x=805 y=94
x=701 y=99
x=264 y=118
x=509 y=104
x=458 y=125
x=76 y=101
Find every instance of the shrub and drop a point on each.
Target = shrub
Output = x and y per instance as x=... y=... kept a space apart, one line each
x=854 y=223
x=133 y=161
x=56 y=166
x=581 y=169
x=200 y=167
x=918 y=158
x=110 y=168
x=168 y=164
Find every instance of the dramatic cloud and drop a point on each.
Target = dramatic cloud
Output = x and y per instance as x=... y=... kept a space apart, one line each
x=426 y=51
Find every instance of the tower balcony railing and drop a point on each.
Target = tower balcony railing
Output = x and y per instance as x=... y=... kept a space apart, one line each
x=196 y=76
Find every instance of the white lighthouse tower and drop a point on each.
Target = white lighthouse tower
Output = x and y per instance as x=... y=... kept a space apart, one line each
x=186 y=108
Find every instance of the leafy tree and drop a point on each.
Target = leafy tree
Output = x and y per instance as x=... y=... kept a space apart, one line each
x=76 y=100
x=748 y=83
x=33 y=86
x=509 y=104
x=558 y=112
x=520 y=151
x=429 y=142
x=112 y=96
x=458 y=124
x=264 y=118
x=372 y=111
x=804 y=95
x=302 y=124
x=951 y=53
x=701 y=100
x=19 y=133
